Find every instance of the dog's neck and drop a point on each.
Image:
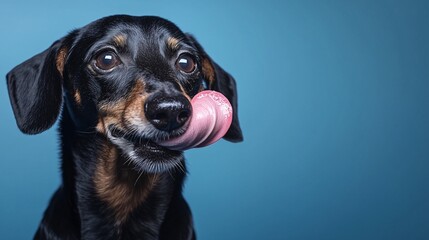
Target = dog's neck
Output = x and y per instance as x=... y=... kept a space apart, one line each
x=102 y=185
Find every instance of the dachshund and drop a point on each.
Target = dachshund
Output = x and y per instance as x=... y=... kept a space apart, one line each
x=119 y=77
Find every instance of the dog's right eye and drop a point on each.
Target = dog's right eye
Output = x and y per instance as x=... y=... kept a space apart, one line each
x=107 y=60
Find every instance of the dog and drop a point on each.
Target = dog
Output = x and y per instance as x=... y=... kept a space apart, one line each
x=118 y=85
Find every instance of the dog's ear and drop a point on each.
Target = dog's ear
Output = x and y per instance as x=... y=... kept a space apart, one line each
x=35 y=89
x=219 y=80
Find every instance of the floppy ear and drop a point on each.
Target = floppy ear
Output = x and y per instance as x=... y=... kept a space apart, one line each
x=35 y=90
x=219 y=80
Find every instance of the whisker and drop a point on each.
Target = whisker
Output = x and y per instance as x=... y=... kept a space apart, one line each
x=181 y=167
x=141 y=173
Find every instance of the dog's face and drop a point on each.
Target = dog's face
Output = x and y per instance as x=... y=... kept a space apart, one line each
x=128 y=78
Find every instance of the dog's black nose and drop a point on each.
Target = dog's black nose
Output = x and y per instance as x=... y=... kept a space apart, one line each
x=168 y=113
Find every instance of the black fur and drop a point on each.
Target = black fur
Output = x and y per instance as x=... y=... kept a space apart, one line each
x=116 y=182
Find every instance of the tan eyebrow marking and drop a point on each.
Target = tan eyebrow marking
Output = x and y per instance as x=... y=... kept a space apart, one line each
x=173 y=43
x=120 y=40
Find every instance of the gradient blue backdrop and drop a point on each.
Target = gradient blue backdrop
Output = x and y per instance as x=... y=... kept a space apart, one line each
x=334 y=105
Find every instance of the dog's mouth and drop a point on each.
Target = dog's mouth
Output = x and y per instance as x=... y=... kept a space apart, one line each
x=144 y=153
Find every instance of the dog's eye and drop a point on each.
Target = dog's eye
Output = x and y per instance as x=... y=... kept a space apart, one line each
x=186 y=63
x=107 y=60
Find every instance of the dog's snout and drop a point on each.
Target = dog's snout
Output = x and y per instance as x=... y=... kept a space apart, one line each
x=168 y=113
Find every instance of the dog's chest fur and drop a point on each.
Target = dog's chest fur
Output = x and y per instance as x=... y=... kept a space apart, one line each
x=113 y=200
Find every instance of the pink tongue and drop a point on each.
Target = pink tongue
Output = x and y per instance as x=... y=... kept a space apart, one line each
x=211 y=119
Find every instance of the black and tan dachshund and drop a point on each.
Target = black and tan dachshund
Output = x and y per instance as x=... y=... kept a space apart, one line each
x=127 y=78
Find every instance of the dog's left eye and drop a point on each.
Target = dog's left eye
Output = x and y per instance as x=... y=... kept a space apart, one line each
x=186 y=63
x=107 y=60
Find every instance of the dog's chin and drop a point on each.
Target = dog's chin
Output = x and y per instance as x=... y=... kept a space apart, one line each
x=145 y=154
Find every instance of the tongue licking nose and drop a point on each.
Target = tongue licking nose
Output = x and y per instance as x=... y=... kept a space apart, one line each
x=210 y=120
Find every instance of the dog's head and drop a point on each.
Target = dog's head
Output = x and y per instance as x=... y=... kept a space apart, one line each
x=128 y=78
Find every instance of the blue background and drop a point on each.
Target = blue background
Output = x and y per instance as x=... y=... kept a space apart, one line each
x=334 y=105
